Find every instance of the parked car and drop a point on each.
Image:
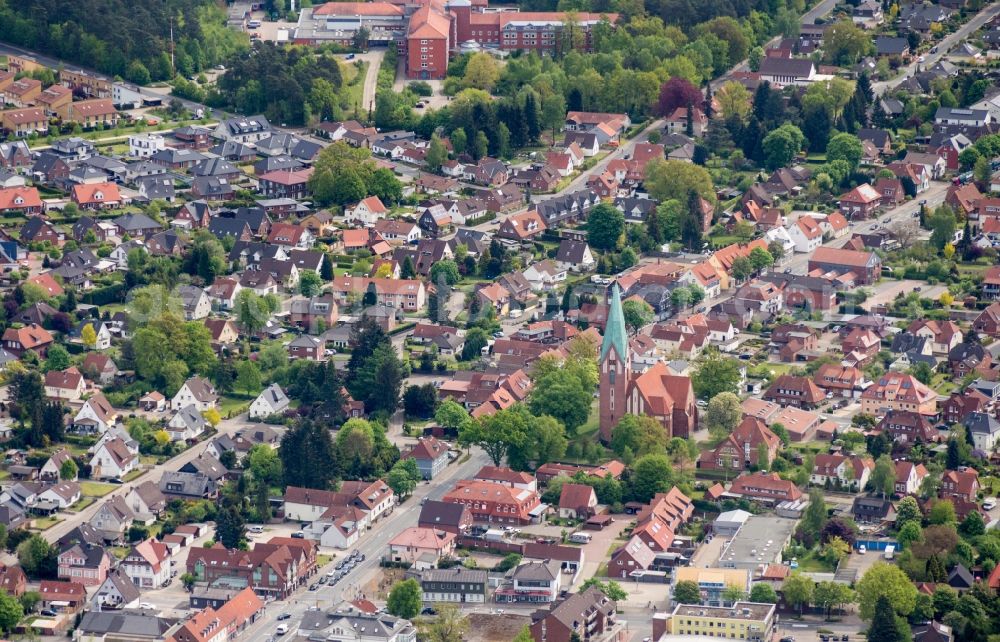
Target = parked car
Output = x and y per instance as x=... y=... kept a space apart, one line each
x=281 y=629
x=284 y=616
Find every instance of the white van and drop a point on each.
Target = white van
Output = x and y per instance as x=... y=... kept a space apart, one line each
x=256 y=529
x=282 y=629
x=580 y=538
x=890 y=551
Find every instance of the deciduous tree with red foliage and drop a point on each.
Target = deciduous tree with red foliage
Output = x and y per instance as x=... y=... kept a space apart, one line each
x=678 y=92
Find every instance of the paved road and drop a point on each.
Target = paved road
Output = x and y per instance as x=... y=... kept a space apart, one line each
x=72 y=520
x=372 y=545
x=980 y=19
x=374 y=60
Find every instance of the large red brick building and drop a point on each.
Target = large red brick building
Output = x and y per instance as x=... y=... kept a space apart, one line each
x=428 y=32
x=428 y=43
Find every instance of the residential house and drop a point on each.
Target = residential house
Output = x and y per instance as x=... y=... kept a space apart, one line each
x=421 y=548
x=431 y=456
x=186 y=424
x=863 y=268
x=588 y=612
x=791 y=390
x=113 y=519
x=196 y=391
x=577 y=501
x=860 y=203
x=908 y=427
x=454 y=518
x=743 y=447
x=457 y=584
x=271 y=401
x=113 y=459
x=147 y=564
x=960 y=484
x=116 y=593
x=841 y=471
x=84 y=564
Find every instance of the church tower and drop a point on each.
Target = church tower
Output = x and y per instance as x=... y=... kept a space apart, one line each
x=615 y=366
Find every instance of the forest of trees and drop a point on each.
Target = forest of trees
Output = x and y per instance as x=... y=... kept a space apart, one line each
x=124 y=38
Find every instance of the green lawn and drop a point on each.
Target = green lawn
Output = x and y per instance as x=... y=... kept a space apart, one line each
x=82 y=504
x=132 y=475
x=942 y=384
x=810 y=563
x=44 y=523
x=233 y=405
x=95 y=489
x=354 y=84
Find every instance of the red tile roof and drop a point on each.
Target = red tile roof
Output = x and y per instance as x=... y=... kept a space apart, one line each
x=18 y=198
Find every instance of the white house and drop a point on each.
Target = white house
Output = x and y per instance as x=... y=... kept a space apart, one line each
x=575 y=255
x=339 y=528
x=145 y=145
x=851 y=472
x=117 y=592
x=102 y=333
x=368 y=211
x=544 y=275
x=67 y=385
x=985 y=430
x=196 y=302
x=186 y=424
x=806 y=234
x=51 y=469
x=113 y=460
x=781 y=235
x=269 y=402
x=62 y=495
x=125 y=96
x=196 y=391
x=148 y=564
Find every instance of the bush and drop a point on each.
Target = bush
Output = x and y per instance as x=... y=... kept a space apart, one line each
x=420 y=88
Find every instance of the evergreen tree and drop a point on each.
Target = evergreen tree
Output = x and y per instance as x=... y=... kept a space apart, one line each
x=326 y=270
x=885 y=626
x=752 y=141
x=880 y=117
x=953 y=457
x=689 y=126
x=692 y=228
x=231 y=527
x=707 y=106
x=864 y=87
x=567 y=300
x=531 y=117
x=308 y=457
x=408 y=270
x=52 y=421
x=935 y=569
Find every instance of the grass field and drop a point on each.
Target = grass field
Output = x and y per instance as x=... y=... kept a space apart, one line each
x=132 y=475
x=229 y=405
x=95 y=489
x=44 y=523
x=354 y=84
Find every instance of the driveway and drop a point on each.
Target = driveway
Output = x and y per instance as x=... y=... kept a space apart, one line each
x=886 y=292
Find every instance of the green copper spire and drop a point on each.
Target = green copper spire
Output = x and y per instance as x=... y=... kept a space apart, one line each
x=614 y=331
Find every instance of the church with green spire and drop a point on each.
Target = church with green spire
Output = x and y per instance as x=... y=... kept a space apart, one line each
x=656 y=392
x=615 y=366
